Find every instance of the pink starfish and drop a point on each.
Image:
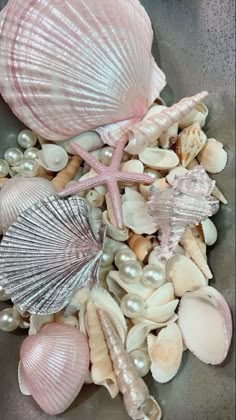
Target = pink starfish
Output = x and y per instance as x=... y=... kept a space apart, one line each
x=109 y=175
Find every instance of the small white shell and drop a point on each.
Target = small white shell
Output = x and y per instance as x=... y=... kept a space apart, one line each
x=89 y=140
x=169 y=138
x=175 y=172
x=162 y=295
x=184 y=274
x=133 y=165
x=95 y=199
x=213 y=157
x=146 y=189
x=209 y=232
x=166 y=352
x=162 y=313
x=156 y=158
x=199 y=114
x=134 y=214
x=52 y=157
x=113 y=232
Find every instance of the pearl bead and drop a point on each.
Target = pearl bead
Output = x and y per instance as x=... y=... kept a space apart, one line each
x=13 y=156
x=106 y=155
x=9 y=320
x=123 y=255
x=153 y=276
x=4 y=168
x=152 y=173
x=130 y=271
x=132 y=305
x=31 y=153
x=26 y=139
x=107 y=259
x=29 y=168
x=141 y=362
x=3 y=296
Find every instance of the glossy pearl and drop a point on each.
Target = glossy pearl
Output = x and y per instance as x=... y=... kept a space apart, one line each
x=130 y=271
x=9 y=320
x=107 y=259
x=153 y=276
x=13 y=156
x=4 y=168
x=3 y=295
x=141 y=362
x=31 y=153
x=123 y=255
x=106 y=155
x=152 y=173
x=29 y=168
x=26 y=139
x=132 y=305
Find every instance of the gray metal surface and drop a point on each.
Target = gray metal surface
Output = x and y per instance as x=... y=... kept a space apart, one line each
x=194 y=44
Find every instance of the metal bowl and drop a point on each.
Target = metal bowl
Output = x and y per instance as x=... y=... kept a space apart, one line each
x=194 y=44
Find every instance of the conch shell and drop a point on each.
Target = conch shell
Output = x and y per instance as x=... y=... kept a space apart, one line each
x=190 y=142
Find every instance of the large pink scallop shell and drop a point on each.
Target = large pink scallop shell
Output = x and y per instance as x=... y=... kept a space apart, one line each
x=54 y=364
x=71 y=66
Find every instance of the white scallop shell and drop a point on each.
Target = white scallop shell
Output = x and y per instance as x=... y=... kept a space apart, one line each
x=199 y=115
x=53 y=157
x=213 y=157
x=20 y=193
x=184 y=274
x=156 y=158
x=166 y=352
x=209 y=232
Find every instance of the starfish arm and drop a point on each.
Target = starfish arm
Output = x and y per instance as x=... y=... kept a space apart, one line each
x=81 y=186
x=90 y=159
x=118 y=155
x=115 y=196
x=134 y=177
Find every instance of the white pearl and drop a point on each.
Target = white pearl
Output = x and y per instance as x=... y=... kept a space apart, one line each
x=31 y=153
x=130 y=271
x=9 y=320
x=132 y=305
x=152 y=173
x=13 y=156
x=29 y=168
x=141 y=362
x=3 y=295
x=153 y=276
x=124 y=254
x=4 y=168
x=106 y=155
x=107 y=259
x=26 y=139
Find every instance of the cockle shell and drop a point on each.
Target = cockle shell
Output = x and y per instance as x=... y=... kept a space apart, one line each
x=184 y=274
x=101 y=370
x=52 y=157
x=156 y=158
x=209 y=232
x=166 y=352
x=162 y=295
x=54 y=364
x=162 y=313
x=197 y=115
x=206 y=324
x=190 y=142
x=138 y=402
x=64 y=99
x=48 y=253
x=20 y=193
x=213 y=157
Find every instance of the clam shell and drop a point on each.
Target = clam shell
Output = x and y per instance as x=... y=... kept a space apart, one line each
x=65 y=99
x=54 y=363
x=52 y=157
x=20 y=193
x=206 y=324
x=166 y=352
x=134 y=213
x=48 y=253
x=162 y=313
x=184 y=274
x=190 y=142
x=213 y=157
x=156 y=158
x=209 y=232
x=162 y=295
x=197 y=115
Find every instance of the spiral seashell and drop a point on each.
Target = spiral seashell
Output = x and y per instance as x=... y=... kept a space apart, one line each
x=20 y=193
x=166 y=352
x=101 y=369
x=49 y=253
x=67 y=174
x=54 y=364
x=169 y=138
x=52 y=157
x=190 y=142
x=213 y=157
x=64 y=99
x=218 y=194
x=156 y=158
x=197 y=115
x=138 y=402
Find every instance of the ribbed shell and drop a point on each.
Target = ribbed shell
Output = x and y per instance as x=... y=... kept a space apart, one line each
x=70 y=66
x=20 y=193
x=54 y=364
x=48 y=253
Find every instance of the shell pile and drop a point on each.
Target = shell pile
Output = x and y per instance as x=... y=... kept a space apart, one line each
x=128 y=300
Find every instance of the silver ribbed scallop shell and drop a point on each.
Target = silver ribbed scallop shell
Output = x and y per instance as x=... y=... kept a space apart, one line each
x=49 y=253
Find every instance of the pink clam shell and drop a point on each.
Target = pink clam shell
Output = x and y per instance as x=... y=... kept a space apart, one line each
x=54 y=364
